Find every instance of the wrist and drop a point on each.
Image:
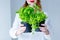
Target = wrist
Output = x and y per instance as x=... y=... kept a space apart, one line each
x=46 y=32
x=18 y=33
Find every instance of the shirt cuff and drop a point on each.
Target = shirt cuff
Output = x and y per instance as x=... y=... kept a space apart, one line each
x=47 y=37
x=12 y=33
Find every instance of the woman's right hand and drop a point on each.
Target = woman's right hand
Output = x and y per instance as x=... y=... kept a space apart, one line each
x=20 y=29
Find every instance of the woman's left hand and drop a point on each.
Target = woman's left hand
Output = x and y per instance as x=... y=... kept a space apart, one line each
x=44 y=29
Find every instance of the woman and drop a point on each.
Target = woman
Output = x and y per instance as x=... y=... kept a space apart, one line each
x=18 y=28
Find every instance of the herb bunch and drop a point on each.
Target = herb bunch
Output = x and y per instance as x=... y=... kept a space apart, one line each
x=32 y=16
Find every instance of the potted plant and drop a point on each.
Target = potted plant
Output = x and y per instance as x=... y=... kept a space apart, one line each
x=32 y=16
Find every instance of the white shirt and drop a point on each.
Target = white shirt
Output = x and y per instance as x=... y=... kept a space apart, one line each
x=16 y=24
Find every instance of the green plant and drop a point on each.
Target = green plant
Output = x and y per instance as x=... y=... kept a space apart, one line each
x=32 y=16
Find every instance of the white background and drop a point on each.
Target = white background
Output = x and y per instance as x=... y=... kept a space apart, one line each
x=5 y=19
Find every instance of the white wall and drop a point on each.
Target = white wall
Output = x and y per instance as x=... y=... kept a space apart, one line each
x=15 y=5
x=5 y=19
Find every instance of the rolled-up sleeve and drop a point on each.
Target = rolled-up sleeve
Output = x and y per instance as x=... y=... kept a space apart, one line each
x=15 y=26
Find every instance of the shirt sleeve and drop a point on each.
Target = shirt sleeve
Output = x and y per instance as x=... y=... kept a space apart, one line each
x=49 y=27
x=14 y=27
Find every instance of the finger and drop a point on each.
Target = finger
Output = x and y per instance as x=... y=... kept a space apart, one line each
x=21 y=25
x=44 y=25
x=43 y=29
x=22 y=28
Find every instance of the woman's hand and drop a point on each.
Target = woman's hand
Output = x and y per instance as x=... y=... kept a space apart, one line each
x=20 y=29
x=44 y=29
